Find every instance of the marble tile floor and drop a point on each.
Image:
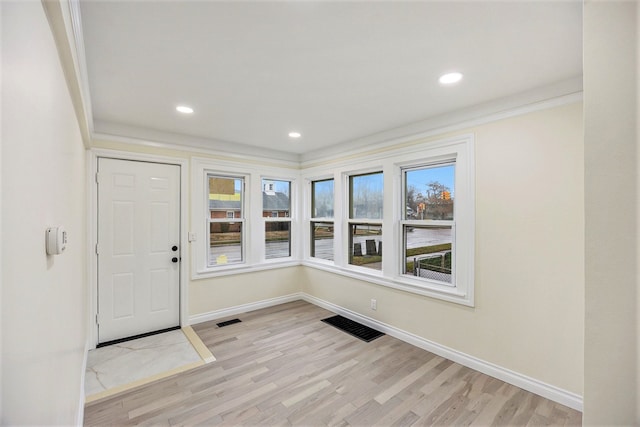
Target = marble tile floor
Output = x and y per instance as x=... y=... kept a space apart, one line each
x=123 y=366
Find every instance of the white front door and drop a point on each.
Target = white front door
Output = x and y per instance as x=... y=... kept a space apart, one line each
x=138 y=248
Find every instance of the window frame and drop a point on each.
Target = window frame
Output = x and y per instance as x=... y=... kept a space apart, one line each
x=415 y=153
x=312 y=219
x=425 y=223
x=461 y=152
x=349 y=221
x=254 y=229
x=390 y=159
x=242 y=219
x=288 y=218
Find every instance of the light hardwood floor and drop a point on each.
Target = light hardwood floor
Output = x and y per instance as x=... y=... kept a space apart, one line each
x=282 y=366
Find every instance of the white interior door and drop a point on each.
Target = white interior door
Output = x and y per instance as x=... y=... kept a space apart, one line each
x=138 y=248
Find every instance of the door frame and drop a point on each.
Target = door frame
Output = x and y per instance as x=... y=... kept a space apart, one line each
x=92 y=230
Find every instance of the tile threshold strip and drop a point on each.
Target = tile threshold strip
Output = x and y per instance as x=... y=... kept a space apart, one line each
x=202 y=350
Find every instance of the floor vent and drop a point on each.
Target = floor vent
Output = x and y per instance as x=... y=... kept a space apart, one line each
x=356 y=329
x=228 y=322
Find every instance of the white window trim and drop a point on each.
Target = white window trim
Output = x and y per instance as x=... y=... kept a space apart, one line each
x=290 y=219
x=309 y=218
x=243 y=206
x=364 y=168
x=253 y=234
x=309 y=238
x=425 y=223
x=423 y=282
x=391 y=163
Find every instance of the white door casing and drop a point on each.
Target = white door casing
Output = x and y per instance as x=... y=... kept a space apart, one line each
x=138 y=228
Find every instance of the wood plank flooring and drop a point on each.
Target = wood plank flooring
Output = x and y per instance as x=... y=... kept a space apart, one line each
x=282 y=366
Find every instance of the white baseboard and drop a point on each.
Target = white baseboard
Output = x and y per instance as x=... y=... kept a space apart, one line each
x=540 y=388
x=85 y=357
x=548 y=391
x=244 y=308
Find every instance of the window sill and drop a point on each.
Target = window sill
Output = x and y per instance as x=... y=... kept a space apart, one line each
x=441 y=292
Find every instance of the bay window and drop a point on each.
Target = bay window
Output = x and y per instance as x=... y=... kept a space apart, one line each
x=404 y=218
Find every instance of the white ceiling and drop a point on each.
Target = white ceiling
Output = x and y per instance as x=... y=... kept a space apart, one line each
x=338 y=72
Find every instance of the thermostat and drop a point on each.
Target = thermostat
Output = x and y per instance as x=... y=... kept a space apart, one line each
x=56 y=240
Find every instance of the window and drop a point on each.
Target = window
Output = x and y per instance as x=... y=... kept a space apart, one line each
x=226 y=220
x=428 y=222
x=243 y=221
x=276 y=209
x=365 y=220
x=322 y=219
x=420 y=197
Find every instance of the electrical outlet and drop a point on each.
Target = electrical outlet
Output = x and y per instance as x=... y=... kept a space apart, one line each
x=374 y=304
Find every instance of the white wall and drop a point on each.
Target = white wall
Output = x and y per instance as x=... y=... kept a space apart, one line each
x=530 y=192
x=210 y=295
x=611 y=245
x=1 y=394
x=43 y=184
x=529 y=310
x=637 y=136
x=529 y=282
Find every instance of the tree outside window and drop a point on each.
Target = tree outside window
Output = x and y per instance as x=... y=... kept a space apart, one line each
x=428 y=224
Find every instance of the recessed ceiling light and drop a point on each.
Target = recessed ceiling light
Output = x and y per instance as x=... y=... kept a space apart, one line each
x=184 y=109
x=294 y=135
x=450 y=78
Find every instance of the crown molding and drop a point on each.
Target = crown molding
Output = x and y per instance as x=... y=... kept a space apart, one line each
x=66 y=27
x=446 y=123
x=65 y=20
x=562 y=93
x=222 y=153
x=149 y=137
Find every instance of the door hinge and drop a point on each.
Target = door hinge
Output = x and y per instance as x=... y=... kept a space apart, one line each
x=97 y=249
x=97 y=319
x=97 y=178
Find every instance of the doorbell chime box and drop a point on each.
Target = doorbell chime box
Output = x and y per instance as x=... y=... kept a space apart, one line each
x=56 y=240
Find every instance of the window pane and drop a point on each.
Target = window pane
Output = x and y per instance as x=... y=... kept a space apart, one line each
x=365 y=196
x=429 y=193
x=322 y=240
x=365 y=245
x=428 y=252
x=225 y=197
x=322 y=199
x=225 y=243
x=277 y=239
x=276 y=201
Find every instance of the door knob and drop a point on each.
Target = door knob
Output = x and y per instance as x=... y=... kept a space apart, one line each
x=174 y=248
x=174 y=259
